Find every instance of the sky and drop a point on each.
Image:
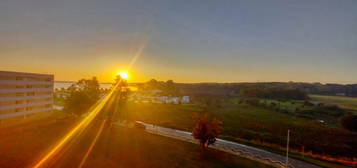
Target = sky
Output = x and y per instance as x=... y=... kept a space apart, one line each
x=183 y=40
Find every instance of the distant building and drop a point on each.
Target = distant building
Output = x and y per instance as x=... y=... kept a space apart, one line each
x=25 y=93
x=174 y=100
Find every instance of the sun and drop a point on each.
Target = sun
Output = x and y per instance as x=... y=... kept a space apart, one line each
x=123 y=75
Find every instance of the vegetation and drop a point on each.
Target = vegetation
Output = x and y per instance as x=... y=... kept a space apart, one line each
x=128 y=148
x=81 y=96
x=349 y=122
x=258 y=125
x=342 y=101
x=325 y=113
x=167 y=88
x=206 y=129
x=273 y=93
x=258 y=116
x=235 y=88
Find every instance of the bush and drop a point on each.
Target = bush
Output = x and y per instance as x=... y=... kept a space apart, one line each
x=253 y=102
x=307 y=103
x=349 y=122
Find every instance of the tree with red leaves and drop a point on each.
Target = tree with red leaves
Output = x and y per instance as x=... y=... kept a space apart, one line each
x=206 y=129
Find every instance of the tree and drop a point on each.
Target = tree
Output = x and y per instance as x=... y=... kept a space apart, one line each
x=273 y=93
x=206 y=129
x=152 y=84
x=170 y=87
x=349 y=122
x=82 y=95
x=122 y=82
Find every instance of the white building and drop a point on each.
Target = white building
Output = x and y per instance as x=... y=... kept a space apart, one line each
x=25 y=93
x=174 y=100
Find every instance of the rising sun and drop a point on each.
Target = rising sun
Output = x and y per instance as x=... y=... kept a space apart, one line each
x=123 y=75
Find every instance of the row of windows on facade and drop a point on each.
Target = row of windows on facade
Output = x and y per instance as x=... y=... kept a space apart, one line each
x=25 y=78
x=15 y=102
x=24 y=86
x=24 y=94
x=14 y=110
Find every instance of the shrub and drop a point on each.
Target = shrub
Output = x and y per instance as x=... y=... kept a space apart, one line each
x=307 y=103
x=349 y=122
x=252 y=101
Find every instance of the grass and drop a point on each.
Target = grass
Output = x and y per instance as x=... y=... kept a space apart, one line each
x=345 y=102
x=290 y=106
x=21 y=145
x=234 y=116
x=255 y=125
x=21 y=142
x=135 y=148
x=303 y=110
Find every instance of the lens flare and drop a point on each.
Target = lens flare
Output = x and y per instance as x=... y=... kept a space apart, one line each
x=124 y=75
x=83 y=124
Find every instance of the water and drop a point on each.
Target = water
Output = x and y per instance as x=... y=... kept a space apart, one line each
x=59 y=85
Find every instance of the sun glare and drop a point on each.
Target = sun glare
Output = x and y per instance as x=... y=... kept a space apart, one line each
x=124 y=75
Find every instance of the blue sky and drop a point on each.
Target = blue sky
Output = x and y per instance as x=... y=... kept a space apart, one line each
x=187 y=41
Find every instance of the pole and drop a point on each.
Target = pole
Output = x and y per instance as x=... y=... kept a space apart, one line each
x=287 y=150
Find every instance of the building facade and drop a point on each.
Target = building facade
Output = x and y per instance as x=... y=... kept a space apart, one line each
x=22 y=94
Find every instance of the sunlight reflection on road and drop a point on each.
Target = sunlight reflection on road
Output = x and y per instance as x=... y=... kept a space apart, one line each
x=83 y=124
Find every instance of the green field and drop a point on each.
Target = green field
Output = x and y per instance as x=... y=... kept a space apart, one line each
x=22 y=144
x=345 y=102
x=249 y=124
x=327 y=114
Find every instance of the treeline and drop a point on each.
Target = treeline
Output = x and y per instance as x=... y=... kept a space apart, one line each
x=167 y=88
x=273 y=93
x=228 y=89
x=234 y=88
